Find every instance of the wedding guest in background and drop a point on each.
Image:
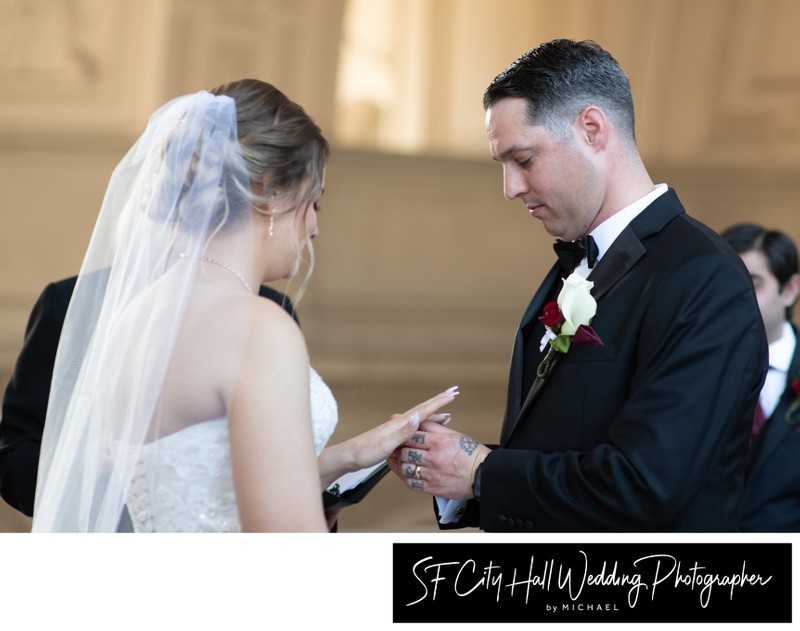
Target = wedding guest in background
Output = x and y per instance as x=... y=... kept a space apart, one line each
x=630 y=401
x=25 y=399
x=771 y=501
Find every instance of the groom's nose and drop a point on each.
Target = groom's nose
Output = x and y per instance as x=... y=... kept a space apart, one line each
x=514 y=184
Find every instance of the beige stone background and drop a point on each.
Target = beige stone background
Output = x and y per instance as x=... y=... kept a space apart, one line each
x=422 y=267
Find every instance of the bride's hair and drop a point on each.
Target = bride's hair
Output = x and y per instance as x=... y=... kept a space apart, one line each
x=281 y=145
x=283 y=149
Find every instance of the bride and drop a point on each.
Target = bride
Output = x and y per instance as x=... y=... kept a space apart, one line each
x=179 y=396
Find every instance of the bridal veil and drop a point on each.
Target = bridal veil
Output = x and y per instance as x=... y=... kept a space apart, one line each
x=162 y=289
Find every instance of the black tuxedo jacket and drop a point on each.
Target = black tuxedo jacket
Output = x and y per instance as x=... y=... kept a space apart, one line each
x=25 y=400
x=648 y=432
x=771 y=501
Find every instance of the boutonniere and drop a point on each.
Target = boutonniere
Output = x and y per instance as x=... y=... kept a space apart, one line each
x=567 y=321
x=793 y=413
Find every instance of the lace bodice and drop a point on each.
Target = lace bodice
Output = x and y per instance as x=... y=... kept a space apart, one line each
x=194 y=490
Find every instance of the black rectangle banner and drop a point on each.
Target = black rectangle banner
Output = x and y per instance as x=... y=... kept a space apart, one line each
x=593 y=582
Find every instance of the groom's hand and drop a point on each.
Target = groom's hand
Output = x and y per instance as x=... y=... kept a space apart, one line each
x=439 y=461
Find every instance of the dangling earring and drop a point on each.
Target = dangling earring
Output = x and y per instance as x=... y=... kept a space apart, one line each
x=272 y=224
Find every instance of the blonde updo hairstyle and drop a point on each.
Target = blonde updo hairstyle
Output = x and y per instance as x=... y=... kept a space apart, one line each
x=283 y=149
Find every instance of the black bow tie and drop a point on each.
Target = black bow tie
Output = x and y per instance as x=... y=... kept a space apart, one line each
x=571 y=253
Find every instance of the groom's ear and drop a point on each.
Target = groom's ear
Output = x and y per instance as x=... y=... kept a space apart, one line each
x=593 y=127
x=791 y=291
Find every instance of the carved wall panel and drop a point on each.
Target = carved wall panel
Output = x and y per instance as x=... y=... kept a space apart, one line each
x=80 y=69
x=758 y=99
x=293 y=45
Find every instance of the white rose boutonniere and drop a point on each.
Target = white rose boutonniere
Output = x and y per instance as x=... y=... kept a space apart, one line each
x=576 y=303
x=567 y=320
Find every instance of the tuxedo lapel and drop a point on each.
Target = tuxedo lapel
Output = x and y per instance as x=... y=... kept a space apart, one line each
x=536 y=305
x=515 y=381
x=626 y=250
x=623 y=254
x=536 y=388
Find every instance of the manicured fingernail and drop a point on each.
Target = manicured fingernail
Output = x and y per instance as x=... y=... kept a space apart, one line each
x=415 y=420
x=454 y=390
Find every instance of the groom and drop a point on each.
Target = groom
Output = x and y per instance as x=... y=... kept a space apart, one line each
x=643 y=426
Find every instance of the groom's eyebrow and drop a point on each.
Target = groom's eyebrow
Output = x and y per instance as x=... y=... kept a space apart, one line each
x=505 y=154
x=508 y=152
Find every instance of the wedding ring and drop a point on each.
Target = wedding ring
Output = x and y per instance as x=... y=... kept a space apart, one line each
x=416 y=473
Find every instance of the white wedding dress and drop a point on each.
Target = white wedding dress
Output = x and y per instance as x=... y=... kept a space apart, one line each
x=194 y=492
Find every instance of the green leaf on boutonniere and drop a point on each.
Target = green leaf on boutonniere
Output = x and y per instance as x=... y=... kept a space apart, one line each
x=561 y=343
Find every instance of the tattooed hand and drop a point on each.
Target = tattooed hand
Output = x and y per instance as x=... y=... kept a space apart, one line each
x=439 y=461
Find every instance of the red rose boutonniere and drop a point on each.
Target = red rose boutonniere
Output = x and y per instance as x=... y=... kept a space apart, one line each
x=567 y=321
x=793 y=413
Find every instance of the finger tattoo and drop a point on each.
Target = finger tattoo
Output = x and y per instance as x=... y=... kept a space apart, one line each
x=414 y=456
x=410 y=470
x=416 y=485
x=418 y=438
x=468 y=444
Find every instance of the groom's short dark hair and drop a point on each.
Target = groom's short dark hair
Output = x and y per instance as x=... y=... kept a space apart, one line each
x=559 y=78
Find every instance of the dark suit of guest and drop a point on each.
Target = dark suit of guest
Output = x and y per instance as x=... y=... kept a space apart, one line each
x=26 y=396
x=648 y=432
x=771 y=500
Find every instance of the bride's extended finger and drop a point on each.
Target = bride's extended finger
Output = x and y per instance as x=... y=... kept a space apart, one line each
x=447 y=395
x=429 y=407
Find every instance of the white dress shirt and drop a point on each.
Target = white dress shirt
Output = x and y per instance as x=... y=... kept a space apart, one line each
x=781 y=352
x=607 y=232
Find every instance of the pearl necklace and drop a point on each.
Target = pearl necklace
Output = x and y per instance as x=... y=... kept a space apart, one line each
x=227 y=268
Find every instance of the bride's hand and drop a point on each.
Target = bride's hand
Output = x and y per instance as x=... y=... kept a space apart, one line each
x=375 y=445
x=378 y=443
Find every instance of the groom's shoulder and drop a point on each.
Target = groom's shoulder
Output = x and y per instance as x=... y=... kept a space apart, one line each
x=685 y=237
x=701 y=238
